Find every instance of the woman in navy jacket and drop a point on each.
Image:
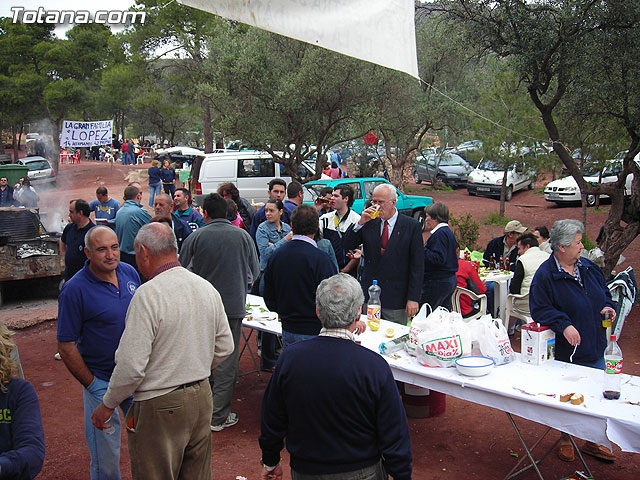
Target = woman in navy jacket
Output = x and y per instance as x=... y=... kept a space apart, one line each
x=168 y=176
x=440 y=258
x=569 y=294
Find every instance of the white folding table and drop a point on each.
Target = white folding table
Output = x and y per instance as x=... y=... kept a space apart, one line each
x=528 y=391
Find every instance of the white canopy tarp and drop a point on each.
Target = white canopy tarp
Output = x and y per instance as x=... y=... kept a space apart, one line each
x=378 y=31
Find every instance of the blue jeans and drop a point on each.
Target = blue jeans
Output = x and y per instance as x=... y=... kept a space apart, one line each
x=599 y=364
x=104 y=447
x=155 y=189
x=289 y=338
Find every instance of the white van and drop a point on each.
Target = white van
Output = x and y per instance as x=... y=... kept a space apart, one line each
x=249 y=170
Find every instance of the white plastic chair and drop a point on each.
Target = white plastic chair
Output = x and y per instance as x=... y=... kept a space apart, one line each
x=513 y=311
x=455 y=301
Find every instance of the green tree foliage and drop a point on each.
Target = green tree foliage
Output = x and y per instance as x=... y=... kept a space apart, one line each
x=289 y=98
x=576 y=56
x=22 y=75
x=184 y=31
x=503 y=99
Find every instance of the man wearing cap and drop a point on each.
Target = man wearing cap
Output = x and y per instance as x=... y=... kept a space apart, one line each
x=504 y=246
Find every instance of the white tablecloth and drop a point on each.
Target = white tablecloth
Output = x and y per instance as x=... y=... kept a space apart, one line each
x=597 y=419
x=501 y=290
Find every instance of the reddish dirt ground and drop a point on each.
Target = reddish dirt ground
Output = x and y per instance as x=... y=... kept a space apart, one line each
x=467 y=441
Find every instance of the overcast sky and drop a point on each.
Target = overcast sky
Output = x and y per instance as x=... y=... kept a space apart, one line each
x=5 y=7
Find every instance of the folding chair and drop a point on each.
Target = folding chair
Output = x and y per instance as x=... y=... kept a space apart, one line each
x=455 y=301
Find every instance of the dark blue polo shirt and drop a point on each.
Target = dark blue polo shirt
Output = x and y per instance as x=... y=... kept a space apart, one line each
x=74 y=257
x=91 y=312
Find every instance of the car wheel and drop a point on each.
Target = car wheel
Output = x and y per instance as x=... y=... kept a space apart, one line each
x=416 y=178
x=591 y=200
x=419 y=216
x=471 y=194
x=508 y=194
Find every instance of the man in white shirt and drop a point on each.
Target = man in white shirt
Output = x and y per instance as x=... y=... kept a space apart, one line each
x=334 y=224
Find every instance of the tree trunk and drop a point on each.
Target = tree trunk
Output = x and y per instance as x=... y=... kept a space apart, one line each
x=16 y=149
x=503 y=191
x=20 y=135
x=206 y=125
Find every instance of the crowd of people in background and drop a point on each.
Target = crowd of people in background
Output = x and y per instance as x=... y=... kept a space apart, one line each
x=126 y=341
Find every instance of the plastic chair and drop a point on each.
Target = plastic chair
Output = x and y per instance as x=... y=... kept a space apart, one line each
x=455 y=301
x=513 y=311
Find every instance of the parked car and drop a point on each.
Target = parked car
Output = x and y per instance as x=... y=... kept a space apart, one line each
x=249 y=170
x=453 y=170
x=40 y=170
x=180 y=155
x=470 y=145
x=566 y=190
x=363 y=189
x=486 y=179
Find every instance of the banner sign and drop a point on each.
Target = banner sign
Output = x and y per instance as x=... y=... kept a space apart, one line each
x=85 y=134
x=378 y=31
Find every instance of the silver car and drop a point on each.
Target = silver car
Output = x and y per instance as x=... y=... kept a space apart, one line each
x=40 y=170
x=453 y=170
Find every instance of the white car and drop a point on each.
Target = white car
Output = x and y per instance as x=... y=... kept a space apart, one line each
x=40 y=170
x=486 y=179
x=565 y=190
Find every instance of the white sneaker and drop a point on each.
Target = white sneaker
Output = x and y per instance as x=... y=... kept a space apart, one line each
x=57 y=356
x=231 y=420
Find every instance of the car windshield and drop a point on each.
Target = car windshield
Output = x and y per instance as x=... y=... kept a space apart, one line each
x=490 y=165
x=38 y=165
x=311 y=192
x=452 y=160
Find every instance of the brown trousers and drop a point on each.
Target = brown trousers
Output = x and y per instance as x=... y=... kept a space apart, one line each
x=171 y=435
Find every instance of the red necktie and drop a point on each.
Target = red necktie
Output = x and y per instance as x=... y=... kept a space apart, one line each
x=385 y=236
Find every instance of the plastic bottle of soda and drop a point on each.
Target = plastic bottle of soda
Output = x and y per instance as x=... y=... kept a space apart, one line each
x=374 y=306
x=612 y=370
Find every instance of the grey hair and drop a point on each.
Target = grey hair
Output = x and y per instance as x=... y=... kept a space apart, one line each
x=393 y=194
x=338 y=300
x=158 y=238
x=88 y=237
x=563 y=232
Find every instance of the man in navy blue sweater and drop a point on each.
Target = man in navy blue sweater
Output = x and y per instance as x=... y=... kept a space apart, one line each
x=292 y=275
x=335 y=402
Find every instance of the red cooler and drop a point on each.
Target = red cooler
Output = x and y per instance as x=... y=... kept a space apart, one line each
x=422 y=402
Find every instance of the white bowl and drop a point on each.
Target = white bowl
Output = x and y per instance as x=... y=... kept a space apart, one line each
x=474 y=366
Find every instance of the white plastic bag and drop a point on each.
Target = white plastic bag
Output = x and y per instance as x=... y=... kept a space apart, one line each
x=492 y=339
x=444 y=339
x=421 y=322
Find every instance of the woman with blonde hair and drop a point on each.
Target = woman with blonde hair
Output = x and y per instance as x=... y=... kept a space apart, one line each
x=21 y=433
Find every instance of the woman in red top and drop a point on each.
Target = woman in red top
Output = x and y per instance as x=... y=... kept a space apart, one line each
x=468 y=278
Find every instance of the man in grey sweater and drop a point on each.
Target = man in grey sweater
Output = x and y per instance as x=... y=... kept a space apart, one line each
x=168 y=425
x=225 y=255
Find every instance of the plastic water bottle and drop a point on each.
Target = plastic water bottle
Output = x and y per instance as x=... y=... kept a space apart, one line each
x=392 y=346
x=374 y=306
x=612 y=370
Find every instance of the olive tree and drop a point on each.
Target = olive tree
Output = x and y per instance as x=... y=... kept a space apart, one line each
x=577 y=55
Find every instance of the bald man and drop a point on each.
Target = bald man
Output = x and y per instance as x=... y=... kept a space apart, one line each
x=91 y=315
x=163 y=334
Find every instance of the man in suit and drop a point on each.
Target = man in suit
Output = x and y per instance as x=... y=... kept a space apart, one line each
x=393 y=254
